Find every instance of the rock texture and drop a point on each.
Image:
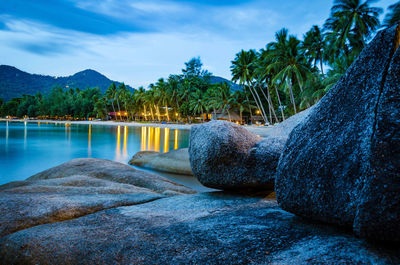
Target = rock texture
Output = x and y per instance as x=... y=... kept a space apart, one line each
x=78 y=188
x=206 y=228
x=341 y=165
x=175 y=161
x=219 y=152
x=224 y=155
x=112 y=171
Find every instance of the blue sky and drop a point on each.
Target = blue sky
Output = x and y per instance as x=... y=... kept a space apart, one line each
x=139 y=41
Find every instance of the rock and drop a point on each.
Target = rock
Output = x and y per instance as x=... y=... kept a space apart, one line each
x=224 y=155
x=341 y=165
x=60 y=194
x=205 y=228
x=283 y=129
x=175 y=161
x=113 y=171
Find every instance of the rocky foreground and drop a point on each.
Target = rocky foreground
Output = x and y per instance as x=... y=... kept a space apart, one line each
x=204 y=228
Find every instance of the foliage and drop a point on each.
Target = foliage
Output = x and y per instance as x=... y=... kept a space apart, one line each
x=393 y=17
x=273 y=83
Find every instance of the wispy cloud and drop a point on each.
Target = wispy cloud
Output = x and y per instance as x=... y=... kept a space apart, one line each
x=138 y=41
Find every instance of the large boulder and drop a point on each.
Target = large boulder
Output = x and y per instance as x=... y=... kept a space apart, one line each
x=78 y=188
x=175 y=161
x=224 y=155
x=219 y=153
x=204 y=228
x=341 y=165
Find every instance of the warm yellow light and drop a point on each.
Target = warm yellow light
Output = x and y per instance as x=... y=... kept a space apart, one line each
x=118 y=147
x=157 y=139
x=125 y=144
x=176 y=139
x=176 y=114
x=166 y=139
x=144 y=138
x=150 y=139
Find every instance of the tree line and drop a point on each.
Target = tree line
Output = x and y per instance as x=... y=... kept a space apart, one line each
x=286 y=76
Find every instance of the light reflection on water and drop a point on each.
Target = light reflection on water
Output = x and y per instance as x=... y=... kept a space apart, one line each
x=28 y=148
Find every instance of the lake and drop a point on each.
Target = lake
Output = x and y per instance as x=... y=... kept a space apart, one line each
x=28 y=148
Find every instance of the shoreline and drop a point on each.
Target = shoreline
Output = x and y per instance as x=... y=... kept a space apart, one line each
x=108 y=123
x=259 y=130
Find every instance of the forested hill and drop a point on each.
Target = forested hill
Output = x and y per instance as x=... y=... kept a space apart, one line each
x=220 y=80
x=15 y=83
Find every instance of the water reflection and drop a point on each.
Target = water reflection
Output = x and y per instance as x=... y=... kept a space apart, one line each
x=25 y=133
x=157 y=139
x=90 y=141
x=143 y=140
x=166 y=139
x=125 y=149
x=67 y=132
x=29 y=145
x=176 y=139
x=6 y=136
x=153 y=139
x=118 y=148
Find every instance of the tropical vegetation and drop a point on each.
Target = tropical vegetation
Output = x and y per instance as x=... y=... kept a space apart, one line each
x=285 y=77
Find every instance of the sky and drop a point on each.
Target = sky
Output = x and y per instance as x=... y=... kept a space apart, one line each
x=137 y=42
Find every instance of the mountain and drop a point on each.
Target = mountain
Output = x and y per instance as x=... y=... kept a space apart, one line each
x=15 y=83
x=219 y=80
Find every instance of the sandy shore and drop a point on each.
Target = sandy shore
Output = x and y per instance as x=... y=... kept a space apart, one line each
x=259 y=130
x=109 y=123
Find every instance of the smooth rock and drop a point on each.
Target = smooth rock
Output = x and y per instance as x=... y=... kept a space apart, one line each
x=283 y=129
x=175 y=161
x=224 y=155
x=341 y=164
x=205 y=228
x=63 y=195
x=113 y=171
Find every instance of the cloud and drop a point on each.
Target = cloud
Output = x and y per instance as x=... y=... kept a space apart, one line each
x=65 y=14
x=38 y=38
x=139 y=41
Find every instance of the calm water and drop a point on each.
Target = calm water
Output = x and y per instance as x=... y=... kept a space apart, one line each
x=28 y=148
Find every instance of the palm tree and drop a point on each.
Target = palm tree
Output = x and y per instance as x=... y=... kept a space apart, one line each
x=152 y=99
x=350 y=25
x=243 y=67
x=393 y=17
x=173 y=91
x=313 y=46
x=239 y=102
x=140 y=99
x=198 y=103
x=124 y=95
x=163 y=95
x=265 y=76
x=110 y=94
x=221 y=98
x=100 y=108
x=288 y=63
x=339 y=68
